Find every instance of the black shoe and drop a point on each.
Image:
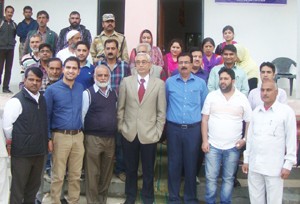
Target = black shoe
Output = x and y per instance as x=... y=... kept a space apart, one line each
x=63 y=201
x=236 y=183
x=37 y=201
x=6 y=91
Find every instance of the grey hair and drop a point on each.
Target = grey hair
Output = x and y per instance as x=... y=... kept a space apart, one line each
x=103 y=66
x=148 y=47
x=271 y=81
x=143 y=54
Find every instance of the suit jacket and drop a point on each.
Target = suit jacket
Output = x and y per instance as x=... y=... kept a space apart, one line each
x=146 y=119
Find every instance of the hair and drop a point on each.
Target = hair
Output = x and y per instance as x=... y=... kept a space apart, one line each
x=230 y=47
x=149 y=32
x=195 y=49
x=72 y=58
x=27 y=8
x=230 y=72
x=74 y=13
x=176 y=40
x=7 y=7
x=184 y=54
x=45 y=45
x=143 y=54
x=103 y=66
x=267 y=64
x=206 y=40
x=270 y=81
x=36 y=35
x=35 y=70
x=148 y=47
x=53 y=59
x=228 y=27
x=110 y=41
x=42 y=12
x=83 y=43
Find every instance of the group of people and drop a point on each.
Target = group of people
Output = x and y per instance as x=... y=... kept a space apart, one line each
x=96 y=108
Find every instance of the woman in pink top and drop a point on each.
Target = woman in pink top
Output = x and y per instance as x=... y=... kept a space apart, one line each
x=228 y=35
x=156 y=55
x=170 y=59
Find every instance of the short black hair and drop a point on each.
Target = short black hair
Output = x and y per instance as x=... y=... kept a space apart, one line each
x=45 y=45
x=27 y=8
x=228 y=27
x=35 y=70
x=206 y=40
x=195 y=49
x=42 y=12
x=72 y=58
x=110 y=41
x=52 y=59
x=83 y=43
x=267 y=64
x=229 y=47
x=74 y=13
x=183 y=54
x=7 y=7
x=230 y=72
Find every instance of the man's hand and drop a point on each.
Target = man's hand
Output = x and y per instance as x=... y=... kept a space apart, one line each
x=50 y=146
x=205 y=147
x=240 y=144
x=245 y=168
x=285 y=173
x=8 y=148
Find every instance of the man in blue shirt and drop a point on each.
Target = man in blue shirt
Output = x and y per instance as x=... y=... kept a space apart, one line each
x=24 y=27
x=64 y=105
x=185 y=95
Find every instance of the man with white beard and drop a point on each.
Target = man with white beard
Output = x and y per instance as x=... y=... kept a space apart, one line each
x=100 y=126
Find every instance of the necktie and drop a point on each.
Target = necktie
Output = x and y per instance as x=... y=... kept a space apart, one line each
x=141 y=91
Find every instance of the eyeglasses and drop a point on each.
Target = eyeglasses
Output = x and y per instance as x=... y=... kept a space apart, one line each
x=184 y=62
x=141 y=62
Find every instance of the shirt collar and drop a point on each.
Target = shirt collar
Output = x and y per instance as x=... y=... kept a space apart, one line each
x=35 y=96
x=191 y=77
x=146 y=78
x=103 y=33
x=87 y=64
x=274 y=107
x=97 y=89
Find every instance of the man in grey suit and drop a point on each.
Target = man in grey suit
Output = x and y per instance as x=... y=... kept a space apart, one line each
x=141 y=118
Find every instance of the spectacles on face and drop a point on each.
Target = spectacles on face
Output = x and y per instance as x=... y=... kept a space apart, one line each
x=141 y=62
x=184 y=62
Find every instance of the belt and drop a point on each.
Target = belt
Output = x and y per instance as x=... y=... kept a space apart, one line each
x=185 y=126
x=67 y=132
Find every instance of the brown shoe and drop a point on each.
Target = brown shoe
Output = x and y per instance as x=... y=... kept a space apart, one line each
x=122 y=176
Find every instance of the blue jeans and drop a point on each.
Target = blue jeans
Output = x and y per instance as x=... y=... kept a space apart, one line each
x=213 y=161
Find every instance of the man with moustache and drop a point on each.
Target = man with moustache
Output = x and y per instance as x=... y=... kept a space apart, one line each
x=98 y=47
x=82 y=52
x=223 y=114
x=185 y=94
x=72 y=37
x=54 y=70
x=48 y=36
x=119 y=69
x=141 y=119
x=24 y=27
x=27 y=144
x=99 y=116
x=74 y=20
x=64 y=107
x=229 y=57
x=7 y=46
x=197 y=68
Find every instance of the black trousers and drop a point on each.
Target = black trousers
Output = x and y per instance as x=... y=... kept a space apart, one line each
x=252 y=83
x=132 y=151
x=26 y=178
x=7 y=57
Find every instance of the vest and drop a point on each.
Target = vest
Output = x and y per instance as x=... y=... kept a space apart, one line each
x=101 y=118
x=30 y=130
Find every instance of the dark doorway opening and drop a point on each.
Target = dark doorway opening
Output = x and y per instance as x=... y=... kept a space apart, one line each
x=180 y=19
x=116 y=7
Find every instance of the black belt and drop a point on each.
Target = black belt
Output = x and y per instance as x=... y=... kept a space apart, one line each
x=67 y=132
x=185 y=126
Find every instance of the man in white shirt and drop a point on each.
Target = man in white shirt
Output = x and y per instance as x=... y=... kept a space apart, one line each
x=271 y=147
x=223 y=113
x=73 y=37
x=267 y=72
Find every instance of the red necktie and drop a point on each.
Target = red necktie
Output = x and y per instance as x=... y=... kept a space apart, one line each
x=141 y=91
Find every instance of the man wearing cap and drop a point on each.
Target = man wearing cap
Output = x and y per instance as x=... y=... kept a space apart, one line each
x=74 y=19
x=97 y=46
x=48 y=36
x=73 y=37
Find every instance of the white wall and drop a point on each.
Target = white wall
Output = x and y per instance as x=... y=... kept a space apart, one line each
x=59 y=11
x=267 y=30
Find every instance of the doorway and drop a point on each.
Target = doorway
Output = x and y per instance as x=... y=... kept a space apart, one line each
x=180 y=19
x=116 y=7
